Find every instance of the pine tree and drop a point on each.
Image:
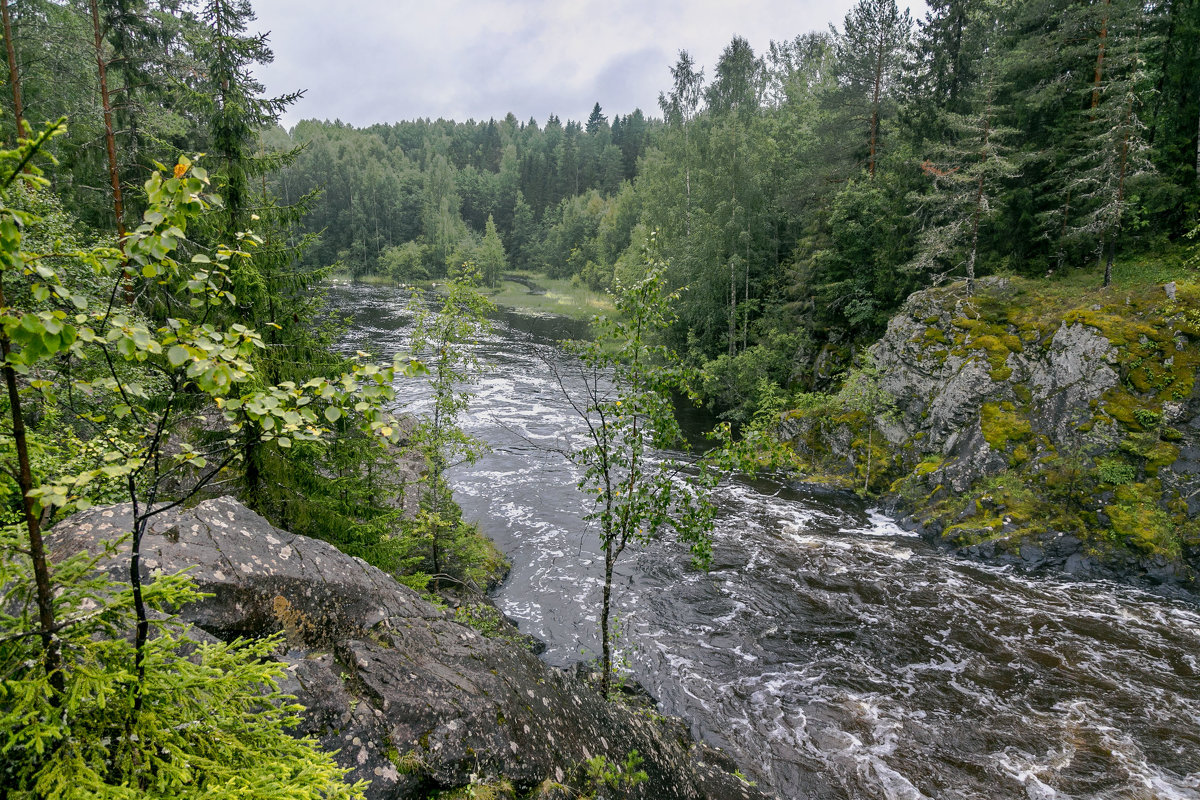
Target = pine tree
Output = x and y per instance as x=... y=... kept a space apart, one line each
x=596 y=120
x=870 y=54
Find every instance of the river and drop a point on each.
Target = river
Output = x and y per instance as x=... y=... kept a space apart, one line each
x=828 y=651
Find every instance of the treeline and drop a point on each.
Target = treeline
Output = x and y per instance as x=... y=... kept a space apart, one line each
x=802 y=193
x=436 y=184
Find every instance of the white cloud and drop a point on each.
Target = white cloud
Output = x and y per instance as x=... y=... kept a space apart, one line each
x=366 y=61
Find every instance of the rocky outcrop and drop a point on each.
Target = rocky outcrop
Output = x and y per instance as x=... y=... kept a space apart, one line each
x=1037 y=426
x=412 y=701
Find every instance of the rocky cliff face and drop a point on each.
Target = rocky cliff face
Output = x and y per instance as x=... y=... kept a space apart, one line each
x=1040 y=426
x=412 y=701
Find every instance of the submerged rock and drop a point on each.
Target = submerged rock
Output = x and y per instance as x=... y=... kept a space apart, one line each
x=411 y=700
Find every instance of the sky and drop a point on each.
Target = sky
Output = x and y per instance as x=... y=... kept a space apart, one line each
x=368 y=61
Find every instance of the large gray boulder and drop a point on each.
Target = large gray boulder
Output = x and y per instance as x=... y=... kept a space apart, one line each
x=1035 y=428
x=411 y=700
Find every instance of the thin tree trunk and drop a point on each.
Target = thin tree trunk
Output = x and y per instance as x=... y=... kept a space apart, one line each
x=1112 y=236
x=14 y=78
x=142 y=632
x=746 y=301
x=875 y=104
x=687 y=180
x=110 y=140
x=978 y=208
x=1062 y=231
x=606 y=607
x=1109 y=258
x=732 y=307
x=870 y=447
x=1100 y=57
x=51 y=656
x=251 y=453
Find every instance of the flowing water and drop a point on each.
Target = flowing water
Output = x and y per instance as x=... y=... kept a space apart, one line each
x=831 y=653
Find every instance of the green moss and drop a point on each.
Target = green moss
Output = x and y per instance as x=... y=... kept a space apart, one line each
x=407 y=764
x=1116 y=323
x=974 y=531
x=1123 y=406
x=1187 y=531
x=497 y=790
x=929 y=464
x=996 y=343
x=1140 y=523
x=933 y=335
x=1001 y=426
x=1028 y=333
x=1162 y=454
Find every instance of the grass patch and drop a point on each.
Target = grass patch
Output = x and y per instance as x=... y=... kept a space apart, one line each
x=562 y=296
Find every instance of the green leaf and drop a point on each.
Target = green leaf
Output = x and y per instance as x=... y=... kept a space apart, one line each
x=177 y=356
x=333 y=413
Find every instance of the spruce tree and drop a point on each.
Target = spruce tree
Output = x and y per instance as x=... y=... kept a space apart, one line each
x=967 y=172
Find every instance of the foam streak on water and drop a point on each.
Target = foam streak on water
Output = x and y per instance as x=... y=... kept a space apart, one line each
x=832 y=653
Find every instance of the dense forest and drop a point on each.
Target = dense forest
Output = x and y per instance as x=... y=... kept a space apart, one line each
x=800 y=194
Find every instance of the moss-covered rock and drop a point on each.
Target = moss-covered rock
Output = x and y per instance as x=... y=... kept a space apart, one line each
x=1036 y=419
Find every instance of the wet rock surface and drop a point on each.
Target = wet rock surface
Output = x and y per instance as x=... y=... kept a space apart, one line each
x=412 y=700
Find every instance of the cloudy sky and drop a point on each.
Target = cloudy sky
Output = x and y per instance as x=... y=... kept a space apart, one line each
x=365 y=61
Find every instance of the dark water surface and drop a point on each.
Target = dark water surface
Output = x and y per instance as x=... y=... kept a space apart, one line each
x=831 y=653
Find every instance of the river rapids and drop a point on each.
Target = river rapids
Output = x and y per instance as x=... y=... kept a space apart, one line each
x=828 y=651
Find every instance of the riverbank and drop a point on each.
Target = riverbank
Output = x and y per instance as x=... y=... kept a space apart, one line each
x=527 y=291
x=1042 y=426
x=530 y=291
